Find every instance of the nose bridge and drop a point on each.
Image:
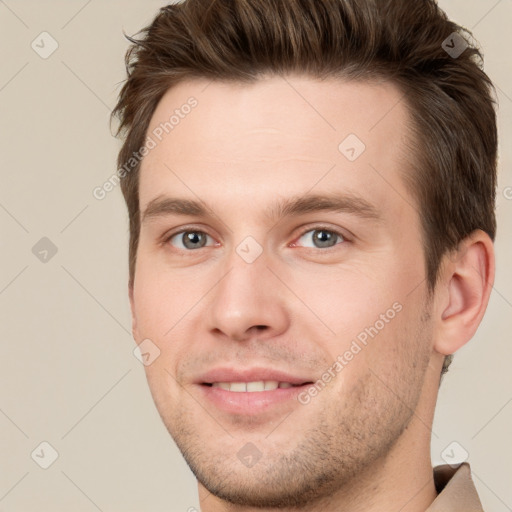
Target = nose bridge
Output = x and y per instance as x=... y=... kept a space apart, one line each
x=248 y=295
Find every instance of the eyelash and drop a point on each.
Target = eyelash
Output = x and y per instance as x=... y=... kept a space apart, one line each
x=334 y=232
x=344 y=238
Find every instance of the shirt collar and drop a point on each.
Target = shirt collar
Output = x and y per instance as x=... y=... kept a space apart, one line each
x=456 y=490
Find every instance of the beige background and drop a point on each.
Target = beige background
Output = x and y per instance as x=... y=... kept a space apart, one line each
x=69 y=376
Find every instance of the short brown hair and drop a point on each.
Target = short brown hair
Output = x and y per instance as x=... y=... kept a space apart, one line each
x=449 y=96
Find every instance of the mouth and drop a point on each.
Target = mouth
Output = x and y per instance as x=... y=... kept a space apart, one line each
x=254 y=386
x=251 y=392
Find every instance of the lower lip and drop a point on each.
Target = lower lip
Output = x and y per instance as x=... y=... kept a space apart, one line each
x=250 y=403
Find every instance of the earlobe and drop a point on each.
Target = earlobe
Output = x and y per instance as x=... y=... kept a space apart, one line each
x=468 y=279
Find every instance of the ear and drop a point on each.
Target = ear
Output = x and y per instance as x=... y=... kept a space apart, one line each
x=465 y=286
x=135 y=331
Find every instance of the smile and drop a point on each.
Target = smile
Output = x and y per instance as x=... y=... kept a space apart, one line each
x=251 y=387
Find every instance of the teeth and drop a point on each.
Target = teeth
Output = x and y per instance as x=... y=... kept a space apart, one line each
x=240 y=387
x=256 y=386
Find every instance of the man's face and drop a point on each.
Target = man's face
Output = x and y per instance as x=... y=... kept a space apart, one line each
x=243 y=289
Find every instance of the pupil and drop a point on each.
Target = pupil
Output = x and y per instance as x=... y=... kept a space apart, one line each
x=191 y=240
x=323 y=238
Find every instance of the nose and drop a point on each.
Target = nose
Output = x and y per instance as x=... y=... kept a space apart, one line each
x=248 y=302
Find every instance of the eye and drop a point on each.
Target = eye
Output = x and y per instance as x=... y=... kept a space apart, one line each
x=320 y=238
x=189 y=240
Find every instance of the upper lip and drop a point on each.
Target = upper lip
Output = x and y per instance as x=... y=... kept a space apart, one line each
x=250 y=375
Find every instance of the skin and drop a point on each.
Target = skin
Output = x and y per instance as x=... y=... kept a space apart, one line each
x=363 y=443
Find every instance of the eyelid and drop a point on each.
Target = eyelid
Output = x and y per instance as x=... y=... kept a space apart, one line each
x=322 y=227
x=166 y=237
x=194 y=228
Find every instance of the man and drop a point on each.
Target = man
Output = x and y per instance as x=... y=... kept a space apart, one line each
x=310 y=188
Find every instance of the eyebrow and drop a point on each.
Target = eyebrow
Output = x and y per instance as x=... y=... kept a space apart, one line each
x=162 y=206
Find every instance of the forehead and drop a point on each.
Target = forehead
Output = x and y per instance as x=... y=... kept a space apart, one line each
x=278 y=134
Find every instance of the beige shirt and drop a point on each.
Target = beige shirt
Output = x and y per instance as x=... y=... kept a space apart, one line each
x=456 y=490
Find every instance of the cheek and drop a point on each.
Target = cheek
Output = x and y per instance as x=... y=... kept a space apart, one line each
x=158 y=311
x=167 y=308
x=397 y=355
x=152 y=308
x=345 y=301
x=367 y=318
x=162 y=299
x=388 y=354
